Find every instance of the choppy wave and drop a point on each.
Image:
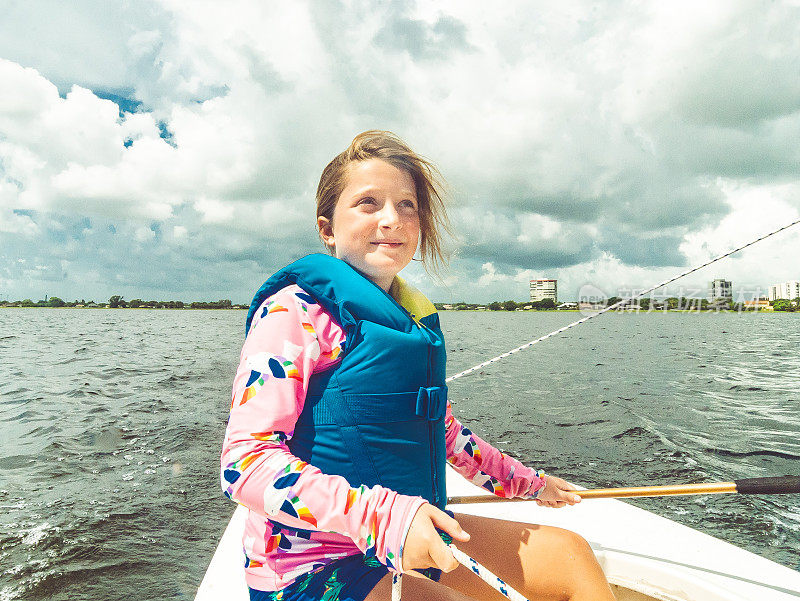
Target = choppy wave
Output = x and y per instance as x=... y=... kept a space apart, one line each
x=110 y=476
x=760 y=453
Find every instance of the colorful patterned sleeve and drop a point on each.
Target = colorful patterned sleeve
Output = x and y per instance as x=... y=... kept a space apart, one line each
x=291 y=338
x=482 y=464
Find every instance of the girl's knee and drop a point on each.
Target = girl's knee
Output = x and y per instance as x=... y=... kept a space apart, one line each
x=568 y=545
x=576 y=542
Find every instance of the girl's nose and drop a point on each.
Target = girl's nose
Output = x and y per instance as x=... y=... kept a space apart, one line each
x=389 y=216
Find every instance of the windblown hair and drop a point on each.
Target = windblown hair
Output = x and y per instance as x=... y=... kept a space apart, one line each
x=386 y=146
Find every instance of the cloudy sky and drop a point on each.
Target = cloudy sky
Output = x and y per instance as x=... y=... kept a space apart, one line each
x=171 y=150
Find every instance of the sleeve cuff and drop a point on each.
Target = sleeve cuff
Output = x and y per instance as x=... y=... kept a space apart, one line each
x=411 y=512
x=537 y=485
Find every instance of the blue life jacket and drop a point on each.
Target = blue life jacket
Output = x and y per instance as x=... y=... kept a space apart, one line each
x=377 y=417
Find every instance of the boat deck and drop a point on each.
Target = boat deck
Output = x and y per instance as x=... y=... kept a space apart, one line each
x=644 y=556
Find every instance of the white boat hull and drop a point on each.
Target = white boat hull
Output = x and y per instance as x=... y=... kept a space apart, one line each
x=644 y=556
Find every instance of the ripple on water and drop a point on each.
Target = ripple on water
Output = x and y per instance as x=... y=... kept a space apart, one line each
x=82 y=391
x=13 y=462
x=23 y=417
x=758 y=453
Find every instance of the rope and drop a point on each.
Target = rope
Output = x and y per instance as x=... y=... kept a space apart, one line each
x=397 y=586
x=615 y=305
x=484 y=573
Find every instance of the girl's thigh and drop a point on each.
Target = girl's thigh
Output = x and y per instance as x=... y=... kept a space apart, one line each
x=540 y=562
x=417 y=589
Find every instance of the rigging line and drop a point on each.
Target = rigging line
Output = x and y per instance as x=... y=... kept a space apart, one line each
x=615 y=305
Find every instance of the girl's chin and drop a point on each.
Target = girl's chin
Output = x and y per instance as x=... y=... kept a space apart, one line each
x=385 y=267
x=378 y=263
x=385 y=270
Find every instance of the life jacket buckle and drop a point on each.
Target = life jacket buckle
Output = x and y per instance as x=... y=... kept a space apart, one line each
x=432 y=402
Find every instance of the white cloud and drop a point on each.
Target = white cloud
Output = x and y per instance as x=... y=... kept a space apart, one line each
x=144 y=234
x=213 y=210
x=14 y=223
x=489 y=275
x=755 y=211
x=34 y=34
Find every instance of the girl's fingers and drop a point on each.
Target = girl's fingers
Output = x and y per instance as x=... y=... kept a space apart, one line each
x=558 y=493
x=450 y=525
x=424 y=547
x=442 y=557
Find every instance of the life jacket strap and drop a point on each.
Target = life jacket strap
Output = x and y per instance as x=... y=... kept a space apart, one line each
x=432 y=402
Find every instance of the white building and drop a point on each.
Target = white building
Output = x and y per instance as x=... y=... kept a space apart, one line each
x=542 y=289
x=720 y=289
x=789 y=290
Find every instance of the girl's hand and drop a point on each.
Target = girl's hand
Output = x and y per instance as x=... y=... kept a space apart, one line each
x=423 y=547
x=556 y=493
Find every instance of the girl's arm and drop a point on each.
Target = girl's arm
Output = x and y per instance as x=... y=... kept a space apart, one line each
x=482 y=464
x=291 y=338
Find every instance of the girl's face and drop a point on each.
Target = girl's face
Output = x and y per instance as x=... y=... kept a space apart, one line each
x=375 y=225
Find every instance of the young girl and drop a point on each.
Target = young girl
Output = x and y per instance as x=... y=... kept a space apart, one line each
x=340 y=427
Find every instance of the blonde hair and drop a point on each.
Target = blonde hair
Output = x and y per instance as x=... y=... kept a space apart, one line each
x=386 y=146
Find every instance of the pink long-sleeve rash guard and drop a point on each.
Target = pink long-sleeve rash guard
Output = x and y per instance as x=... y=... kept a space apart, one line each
x=299 y=518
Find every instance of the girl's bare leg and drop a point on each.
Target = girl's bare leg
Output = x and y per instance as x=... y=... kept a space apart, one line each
x=541 y=562
x=417 y=589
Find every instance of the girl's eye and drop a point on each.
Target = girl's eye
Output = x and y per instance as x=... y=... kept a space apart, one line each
x=409 y=203
x=368 y=200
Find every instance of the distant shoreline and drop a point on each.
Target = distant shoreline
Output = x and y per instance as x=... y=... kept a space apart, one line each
x=501 y=311
x=233 y=308
x=624 y=311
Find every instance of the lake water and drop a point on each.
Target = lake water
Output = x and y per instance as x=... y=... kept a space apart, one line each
x=111 y=423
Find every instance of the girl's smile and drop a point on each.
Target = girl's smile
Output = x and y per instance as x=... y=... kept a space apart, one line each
x=375 y=225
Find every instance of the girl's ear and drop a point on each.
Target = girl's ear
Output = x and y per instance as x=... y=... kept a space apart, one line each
x=325 y=229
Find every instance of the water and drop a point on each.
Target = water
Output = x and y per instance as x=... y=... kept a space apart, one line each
x=111 y=424
x=110 y=428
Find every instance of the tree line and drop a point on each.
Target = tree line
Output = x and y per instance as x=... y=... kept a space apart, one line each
x=702 y=304
x=118 y=302
x=508 y=305
x=786 y=305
